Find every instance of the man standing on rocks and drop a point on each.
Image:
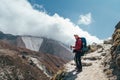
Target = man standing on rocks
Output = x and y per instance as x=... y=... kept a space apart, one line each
x=78 y=52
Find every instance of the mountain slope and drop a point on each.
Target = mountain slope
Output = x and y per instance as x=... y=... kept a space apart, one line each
x=56 y=48
x=23 y=64
x=39 y=44
x=112 y=61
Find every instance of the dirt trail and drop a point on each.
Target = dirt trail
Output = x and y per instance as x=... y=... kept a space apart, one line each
x=91 y=72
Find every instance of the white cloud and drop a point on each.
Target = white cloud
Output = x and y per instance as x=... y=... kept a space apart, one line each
x=18 y=17
x=39 y=7
x=85 y=19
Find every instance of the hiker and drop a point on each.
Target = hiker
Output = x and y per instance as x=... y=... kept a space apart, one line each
x=78 y=53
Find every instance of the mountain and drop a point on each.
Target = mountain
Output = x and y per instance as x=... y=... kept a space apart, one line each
x=30 y=57
x=56 y=48
x=23 y=64
x=39 y=44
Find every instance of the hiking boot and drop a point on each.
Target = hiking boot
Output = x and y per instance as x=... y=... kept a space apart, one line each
x=79 y=70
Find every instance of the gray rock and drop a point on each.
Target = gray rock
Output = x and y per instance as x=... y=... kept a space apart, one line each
x=103 y=54
x=86 y=64
x=118 y=62
x=92 y=58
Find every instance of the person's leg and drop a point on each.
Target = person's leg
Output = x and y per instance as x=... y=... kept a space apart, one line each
x=76 y=60
x=79 y=64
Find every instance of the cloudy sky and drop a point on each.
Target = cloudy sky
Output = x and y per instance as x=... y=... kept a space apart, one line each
x=96 y=17
x=60 y=19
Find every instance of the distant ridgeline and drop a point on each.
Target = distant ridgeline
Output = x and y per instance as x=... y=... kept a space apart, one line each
x=39 y=44
x=7 y=36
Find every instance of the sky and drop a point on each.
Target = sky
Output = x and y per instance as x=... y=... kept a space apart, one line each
x=60 y=19
x=102 y=15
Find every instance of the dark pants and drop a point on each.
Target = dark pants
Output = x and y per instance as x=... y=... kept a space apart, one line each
x=77 y=59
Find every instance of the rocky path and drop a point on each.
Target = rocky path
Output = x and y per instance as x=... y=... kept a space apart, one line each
x=92 y=67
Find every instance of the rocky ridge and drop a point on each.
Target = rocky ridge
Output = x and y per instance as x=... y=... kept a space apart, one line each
x=23 y=64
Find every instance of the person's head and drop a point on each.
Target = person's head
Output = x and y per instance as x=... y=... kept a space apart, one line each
x=76 y=36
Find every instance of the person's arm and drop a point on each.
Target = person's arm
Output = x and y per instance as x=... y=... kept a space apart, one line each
x=72 y=46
